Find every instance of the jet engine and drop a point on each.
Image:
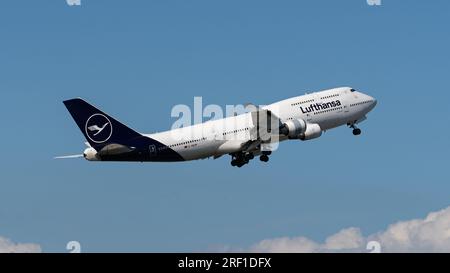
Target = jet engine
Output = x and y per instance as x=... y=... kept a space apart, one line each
x=299 y=129
x=313 y=130
x=293 y=128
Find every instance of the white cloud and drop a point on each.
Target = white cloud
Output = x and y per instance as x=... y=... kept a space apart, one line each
x=349 y=239
x=431 y=234
x=7 y=246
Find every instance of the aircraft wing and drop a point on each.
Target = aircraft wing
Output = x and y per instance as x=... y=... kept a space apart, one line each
x=265 y=128
x=265 y=124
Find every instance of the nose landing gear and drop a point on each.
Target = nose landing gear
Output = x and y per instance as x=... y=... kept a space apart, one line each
x=356 y=131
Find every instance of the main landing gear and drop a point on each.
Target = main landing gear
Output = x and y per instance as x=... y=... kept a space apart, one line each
x=265 y=156
x=240 y=159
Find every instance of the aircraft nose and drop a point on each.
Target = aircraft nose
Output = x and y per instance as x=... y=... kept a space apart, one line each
x=373 y=103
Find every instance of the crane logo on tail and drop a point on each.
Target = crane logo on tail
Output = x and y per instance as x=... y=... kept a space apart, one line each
x=98 y=128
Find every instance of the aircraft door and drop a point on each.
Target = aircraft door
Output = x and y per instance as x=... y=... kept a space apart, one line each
x=346 y=106
x=152 y=150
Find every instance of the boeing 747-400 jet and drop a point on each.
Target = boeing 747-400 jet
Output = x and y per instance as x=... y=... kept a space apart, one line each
x=244 y=136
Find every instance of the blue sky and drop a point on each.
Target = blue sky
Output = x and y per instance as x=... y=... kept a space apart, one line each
x=137 y=59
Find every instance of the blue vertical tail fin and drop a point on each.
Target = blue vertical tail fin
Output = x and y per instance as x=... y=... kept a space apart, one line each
x=99 y=128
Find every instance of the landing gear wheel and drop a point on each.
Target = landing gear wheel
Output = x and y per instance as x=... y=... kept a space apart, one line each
x=240 y=164
x=264 y=158
x=241 y=159
x=356 y=131
x=249 y=156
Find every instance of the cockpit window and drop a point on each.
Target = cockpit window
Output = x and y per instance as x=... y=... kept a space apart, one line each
x=352 y=90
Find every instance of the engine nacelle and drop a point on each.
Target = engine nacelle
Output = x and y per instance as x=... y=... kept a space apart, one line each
x=293 y=128
x=313 y=130
x=91 y=154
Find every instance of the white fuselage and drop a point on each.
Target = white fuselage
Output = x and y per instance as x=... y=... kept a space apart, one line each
x=329 y=109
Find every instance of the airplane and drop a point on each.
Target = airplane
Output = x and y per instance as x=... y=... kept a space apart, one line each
x=244 y=136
